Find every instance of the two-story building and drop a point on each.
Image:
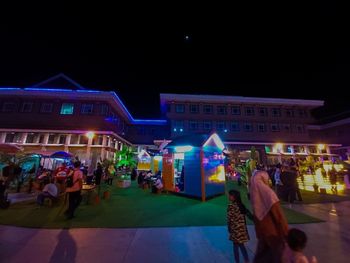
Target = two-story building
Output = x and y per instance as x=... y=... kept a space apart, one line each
x=59 y=114
x=277 y=128
x=90 y=124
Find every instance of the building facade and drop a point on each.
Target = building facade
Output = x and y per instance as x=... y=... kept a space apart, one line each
x=59 y=114
x=89 y=124
x=277 y=128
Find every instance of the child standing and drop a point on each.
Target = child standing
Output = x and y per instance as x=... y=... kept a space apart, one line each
x=296 y=240
x=237 y=226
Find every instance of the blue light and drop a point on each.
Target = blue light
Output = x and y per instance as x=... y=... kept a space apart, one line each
x=175 y=130
x=119 y=102
x=92 y=91
x=225 y=130
x=181 y=130
x=9 y=88
x=39 y=89
x=149 y=122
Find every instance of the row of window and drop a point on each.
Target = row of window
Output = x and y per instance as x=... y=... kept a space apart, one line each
x=236 y=110
x=47 y=107
x=236 y=126
x=54 y=139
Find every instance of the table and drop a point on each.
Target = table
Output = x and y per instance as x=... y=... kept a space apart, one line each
x=88 y=188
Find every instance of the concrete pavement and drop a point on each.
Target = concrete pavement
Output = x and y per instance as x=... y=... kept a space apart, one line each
x=329 y=241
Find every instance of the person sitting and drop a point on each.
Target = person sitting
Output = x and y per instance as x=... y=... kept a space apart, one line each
x=141 y=178
x=49 y=191
x=157 y=186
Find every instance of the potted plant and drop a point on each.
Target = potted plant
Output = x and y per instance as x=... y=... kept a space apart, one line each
x=125 y=162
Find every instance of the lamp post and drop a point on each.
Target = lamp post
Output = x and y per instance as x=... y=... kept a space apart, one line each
x=90 y=135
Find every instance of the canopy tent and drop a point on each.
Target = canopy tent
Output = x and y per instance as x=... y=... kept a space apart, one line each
x=61 y=154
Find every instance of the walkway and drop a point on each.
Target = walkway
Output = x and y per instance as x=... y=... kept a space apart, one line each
x=329 y=241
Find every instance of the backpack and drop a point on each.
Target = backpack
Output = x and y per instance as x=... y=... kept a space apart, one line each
x=69 y=181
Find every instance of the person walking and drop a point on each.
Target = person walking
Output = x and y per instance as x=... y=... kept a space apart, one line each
x=271 y=226
x=73 y=190
x=237 y=225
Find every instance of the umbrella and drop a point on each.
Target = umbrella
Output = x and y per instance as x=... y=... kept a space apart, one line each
x=9 y=148
x=61 y=154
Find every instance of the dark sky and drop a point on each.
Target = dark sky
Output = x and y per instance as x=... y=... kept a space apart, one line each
x=288 y=50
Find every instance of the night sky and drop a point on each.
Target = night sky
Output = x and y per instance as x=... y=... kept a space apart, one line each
x=288 y=51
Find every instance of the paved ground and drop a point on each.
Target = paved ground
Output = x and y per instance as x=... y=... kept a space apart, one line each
x=329 y=241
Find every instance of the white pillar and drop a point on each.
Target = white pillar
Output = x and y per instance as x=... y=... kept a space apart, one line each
x=57 y=139
x=328 y=149
x=36 y=138
x=24 y=137
x=46 y=138
x=3 y=137
x=67 y=142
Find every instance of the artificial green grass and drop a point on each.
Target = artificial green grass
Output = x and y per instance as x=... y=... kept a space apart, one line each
x=129 y=208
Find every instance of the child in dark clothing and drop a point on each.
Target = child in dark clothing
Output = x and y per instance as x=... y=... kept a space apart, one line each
x=293 y=253
x=237 y=225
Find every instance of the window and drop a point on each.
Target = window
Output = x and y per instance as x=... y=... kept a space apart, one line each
x=62 y=139
x=235 y=126
x=275 y=127
x=104 y=109
x=179 y=108
x=300 y=128
x=208 y=109
x=286 y=127
x=168 y=108
x=276 y=112
x=41 y=138
x=289 y=113
x=51 y=139
x=261 y=127
x=194 y=108
x=193 y=125
x=87 y=108
x=67 y=108
x=10 y=137
x=302 y=113
x=83 y=139
x=8 y=107
x=141 y=131
x=46 y=107
x=249 y=111
x=236 y=110
x=97 y=140
x=207 y=125
x=178 y=126
x=27 y=107
x=220 y=125
x=222 y=110
x=30 y=138
x=262 y=112
x=248 y=127
x=74 y=139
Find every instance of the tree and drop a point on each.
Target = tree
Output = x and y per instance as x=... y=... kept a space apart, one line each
x=246 y=170
x=13 y=164
x=125 y=158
